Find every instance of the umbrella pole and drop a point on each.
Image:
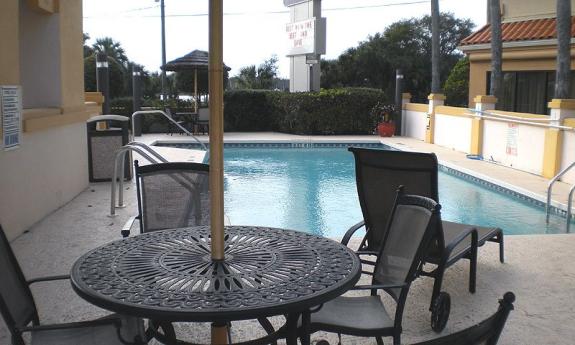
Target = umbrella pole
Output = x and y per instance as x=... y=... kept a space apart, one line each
x=216 y=85
x=216 y=130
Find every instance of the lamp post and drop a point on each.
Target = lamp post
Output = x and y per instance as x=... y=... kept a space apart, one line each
x=163 y=77
x=103 y=80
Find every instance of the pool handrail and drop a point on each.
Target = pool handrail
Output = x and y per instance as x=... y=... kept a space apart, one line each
x=119 y=161
x=550 y=189
x=160 y=112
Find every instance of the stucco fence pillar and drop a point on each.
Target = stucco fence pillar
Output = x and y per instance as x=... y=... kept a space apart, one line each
x=435 y=100
x=482 y=103
x=554 y=159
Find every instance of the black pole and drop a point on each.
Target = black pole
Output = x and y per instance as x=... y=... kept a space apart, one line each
x=398 y=100
x=163 y=16
x=103 y=80
x=137 y=99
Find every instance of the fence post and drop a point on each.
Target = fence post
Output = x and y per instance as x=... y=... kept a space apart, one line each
x=435 y=100
x=482 y=103
x=560 y=109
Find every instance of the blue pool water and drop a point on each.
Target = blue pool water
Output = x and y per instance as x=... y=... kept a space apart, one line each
x=313 y=190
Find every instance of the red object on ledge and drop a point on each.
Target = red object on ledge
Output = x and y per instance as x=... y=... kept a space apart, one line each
x=386 y=129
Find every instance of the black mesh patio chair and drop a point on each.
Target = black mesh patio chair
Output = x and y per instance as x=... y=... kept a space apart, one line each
x=20 y=314
x=171 y=195
x=378 y=174
x=409 y=232
x=486 y=332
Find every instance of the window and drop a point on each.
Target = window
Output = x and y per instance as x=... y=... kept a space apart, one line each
x=528 y=91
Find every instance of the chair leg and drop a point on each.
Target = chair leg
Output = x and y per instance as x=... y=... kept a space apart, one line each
x=473 y=271
x=379 y=340
x=397 y=339
x=438 y=280
x=473 y=262
x=501 y=247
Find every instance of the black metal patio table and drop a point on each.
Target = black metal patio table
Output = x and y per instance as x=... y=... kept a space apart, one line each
x=169 y=276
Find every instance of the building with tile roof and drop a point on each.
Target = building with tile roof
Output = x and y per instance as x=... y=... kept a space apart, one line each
x=529 y=56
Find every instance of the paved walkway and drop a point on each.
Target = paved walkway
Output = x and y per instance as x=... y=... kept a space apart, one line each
x=538 y=268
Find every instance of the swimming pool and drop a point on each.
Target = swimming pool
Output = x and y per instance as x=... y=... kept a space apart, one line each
x=313 y=190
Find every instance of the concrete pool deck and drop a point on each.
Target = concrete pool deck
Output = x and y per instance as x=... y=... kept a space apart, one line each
x=539 y=268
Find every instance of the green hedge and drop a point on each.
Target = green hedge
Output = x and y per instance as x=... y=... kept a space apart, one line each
x=332 y=111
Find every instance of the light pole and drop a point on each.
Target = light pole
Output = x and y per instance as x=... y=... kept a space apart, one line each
x=163 y=77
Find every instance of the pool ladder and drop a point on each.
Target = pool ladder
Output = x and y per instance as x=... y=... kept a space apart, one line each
x=569 y=199
x=143 y=150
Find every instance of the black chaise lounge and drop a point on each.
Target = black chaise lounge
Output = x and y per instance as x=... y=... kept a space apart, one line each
x=171 y=195
x=487 y=332
x=378 y=174
x=21 y=316
x=410 y=229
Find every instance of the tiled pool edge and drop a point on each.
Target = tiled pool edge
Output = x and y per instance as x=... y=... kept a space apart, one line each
x=452 y=169
x=556 y=208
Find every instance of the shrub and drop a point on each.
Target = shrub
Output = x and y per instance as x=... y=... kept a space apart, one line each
x=332 y=111
x=456 y=86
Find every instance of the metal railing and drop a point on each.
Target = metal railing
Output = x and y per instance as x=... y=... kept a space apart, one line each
x=538 y=122
x=569 y=200
x=160 y=112
x=140 y=148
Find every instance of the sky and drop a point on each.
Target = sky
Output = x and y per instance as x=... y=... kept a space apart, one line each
x=254 y=30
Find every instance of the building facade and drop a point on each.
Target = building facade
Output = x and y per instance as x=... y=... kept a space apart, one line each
x=529 y=56
x=41 y=55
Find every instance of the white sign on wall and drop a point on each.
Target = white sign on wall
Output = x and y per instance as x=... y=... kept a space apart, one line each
x=511 y=144
x=306 y=37
x=11 y=114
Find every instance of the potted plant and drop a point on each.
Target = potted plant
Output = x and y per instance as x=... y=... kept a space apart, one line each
x=384 y=115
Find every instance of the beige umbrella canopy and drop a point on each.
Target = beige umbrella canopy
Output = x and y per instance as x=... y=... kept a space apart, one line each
x=196 y=61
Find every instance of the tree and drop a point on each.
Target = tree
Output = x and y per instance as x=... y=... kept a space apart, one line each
x=435 y=75
x=405 y=44
x=88 y=51
x=456 y=86
x=496 y=50
x=113 y=49
x=562 y=80
x=261 y=77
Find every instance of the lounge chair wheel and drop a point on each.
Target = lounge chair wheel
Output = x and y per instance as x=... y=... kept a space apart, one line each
x=322 y=342
x=440 y=311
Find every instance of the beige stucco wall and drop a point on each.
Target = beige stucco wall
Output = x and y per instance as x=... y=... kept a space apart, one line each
x=514 y=59
x=50 y=167
x=515 y=10
x=9 y=46
x=48 y=170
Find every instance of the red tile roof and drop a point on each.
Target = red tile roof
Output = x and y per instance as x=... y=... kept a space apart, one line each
x=537 y=29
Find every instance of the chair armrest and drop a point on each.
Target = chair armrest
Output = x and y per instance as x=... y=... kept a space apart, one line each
x=379 y=286
x=47 y=279
x=350 y=232
x=128 y=226
x=80 y=324
x=462 y=236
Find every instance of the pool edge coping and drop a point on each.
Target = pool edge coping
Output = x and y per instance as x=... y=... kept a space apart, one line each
x=469 y=175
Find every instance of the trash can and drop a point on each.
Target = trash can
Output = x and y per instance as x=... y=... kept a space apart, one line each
x=106 y=134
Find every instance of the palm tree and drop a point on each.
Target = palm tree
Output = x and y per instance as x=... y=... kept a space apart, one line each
x=435 y=82
x=113 y=49
x=562 y=80
x=496 y=48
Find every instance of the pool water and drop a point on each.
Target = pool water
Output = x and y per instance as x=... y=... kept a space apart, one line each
x=313 y=190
